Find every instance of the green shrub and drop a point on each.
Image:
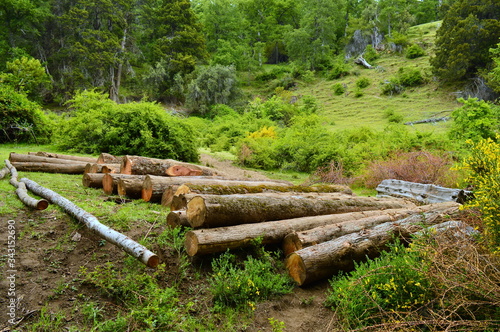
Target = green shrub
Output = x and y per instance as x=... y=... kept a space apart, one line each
x=475 y=120
x=358 y=92
x=389 y=283
x=391 y=87
x=338 y=88
x=370 y=54
x=98 y=124
x=340 y=69
x=363 y=82
x=410 y=77
x=242 y=285
x=20 y=119
x=414 y=51
x=392 y=116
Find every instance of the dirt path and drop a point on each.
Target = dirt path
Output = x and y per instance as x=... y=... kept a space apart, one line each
x=230 y=170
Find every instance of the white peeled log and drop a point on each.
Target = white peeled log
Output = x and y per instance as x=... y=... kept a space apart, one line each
x=127 y=244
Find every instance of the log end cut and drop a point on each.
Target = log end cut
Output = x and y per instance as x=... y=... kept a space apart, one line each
x=291 y=243
x=196 y=211
x=191 y=243
x=296 y=268
x=153 y=261
x=42 y=204
x=177 y=218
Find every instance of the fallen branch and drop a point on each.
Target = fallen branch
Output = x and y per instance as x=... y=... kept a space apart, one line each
x=21 y=191
x=127 y=244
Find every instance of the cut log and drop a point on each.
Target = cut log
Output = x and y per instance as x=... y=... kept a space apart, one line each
x=208 y=241
x=64 y=156
x=361 y=61
x=179 y=170
x=229 y=189
x=21 y=191
x=92 y=180
x=155 y=186
x=106 y=158
x=3 y=172
x=50 y=168
x=177 y=218
x=110 y=182
x=102 y=168
x=299 y=240
x=28 y=158
x=227 y=210
x=168 y=195
x=424 y=193
x=130 y=186
x=328 y=258
x=143 y=166
x=127 y=244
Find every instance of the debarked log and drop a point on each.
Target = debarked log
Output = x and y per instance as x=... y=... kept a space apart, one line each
x=127 y=244
x=206 y=211
x=75 y=168
x=63 y=156
x=328 y=258
x=213 y=240
x=143 y=166
x=299 y=240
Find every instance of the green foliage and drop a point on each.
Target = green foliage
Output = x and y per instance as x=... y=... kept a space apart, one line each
x=338 y=89
x=98 y=124
x=405 y=77
x=26 y=75
x=363 y=82
x=390 y=282
x=370 y=54
x=483 y=166
x=340 y=69
x=475 y=120
x=242 y=285
x=414 y=51
x=493 y=76
x=392 y=116
x=20 y=119
x=213 y=85
x=468 y=31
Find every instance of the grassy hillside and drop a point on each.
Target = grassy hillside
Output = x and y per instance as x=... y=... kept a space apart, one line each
x=418 y=103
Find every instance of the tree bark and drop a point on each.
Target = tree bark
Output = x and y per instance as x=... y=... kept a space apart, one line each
x=21 y=191
x=50 y=168
x=299 y=240
x=92 y=180
x=127 y=244
x=221 y=189
x=63 y=156
x=106 y=158
x=209 y=211
x=143 y=166
x=130 y=186
x=110 y=182
x=102 y=168
x=328 y=258
x=168 y=195
x=28 y=158
x=208 y=241
x=156 y=185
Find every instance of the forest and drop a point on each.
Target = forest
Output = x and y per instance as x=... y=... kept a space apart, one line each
x=338 y=92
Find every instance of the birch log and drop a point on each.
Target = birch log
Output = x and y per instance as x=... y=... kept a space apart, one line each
x=328 y=258
x=208 y=211
x=127 y=244
x=299 y=240
x=21 y=191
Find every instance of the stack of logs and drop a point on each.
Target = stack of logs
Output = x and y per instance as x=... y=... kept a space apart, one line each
x=323 y=229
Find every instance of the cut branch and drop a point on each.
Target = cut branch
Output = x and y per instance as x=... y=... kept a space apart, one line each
x=127 y=244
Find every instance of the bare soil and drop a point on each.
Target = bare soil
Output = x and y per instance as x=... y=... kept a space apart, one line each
x=48 y=274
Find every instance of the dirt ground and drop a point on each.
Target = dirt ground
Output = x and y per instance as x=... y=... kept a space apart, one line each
x=43 y=274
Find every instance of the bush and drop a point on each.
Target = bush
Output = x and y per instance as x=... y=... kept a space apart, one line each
x=483 y=166
x=20 y=119
x=338 y=88
x=339 y=69
x=242 y=285
x=392 y=116
x=98 y=124
x=475 y=120
x=363 y=82
x=370 y=54
x=410 y=77
x=414 y=51
x=421 y=167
